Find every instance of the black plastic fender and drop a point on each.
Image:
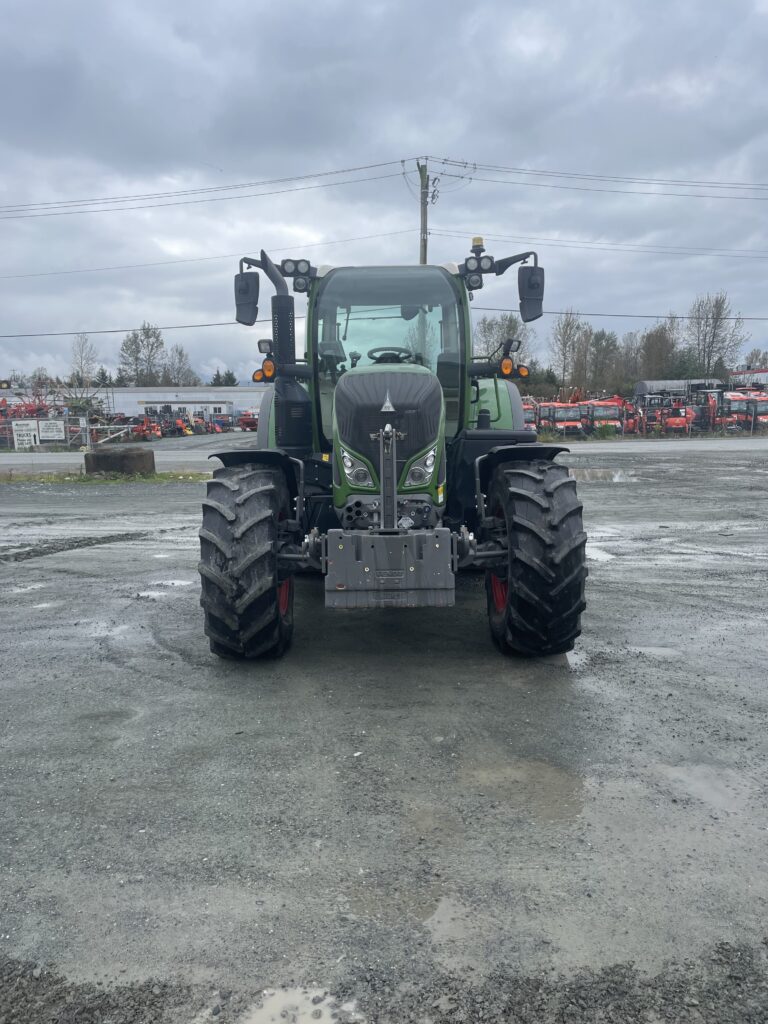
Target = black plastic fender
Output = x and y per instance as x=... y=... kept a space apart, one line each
x=266 y=457
x=485 y=464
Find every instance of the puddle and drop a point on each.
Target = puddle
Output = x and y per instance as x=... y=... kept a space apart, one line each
x=392 y=904
x=612 y=476
x=26 y=588
x=460 y=935
x=721 y=788
x=596 y=554
x=151 y=595
x=301 y=1006
x=173 y=583
x=449 y=921
x=539 y=790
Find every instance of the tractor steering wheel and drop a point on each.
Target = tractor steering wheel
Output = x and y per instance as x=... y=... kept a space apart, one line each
x=389 y=350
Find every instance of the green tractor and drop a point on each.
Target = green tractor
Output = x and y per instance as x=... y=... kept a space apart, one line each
x=387 y=459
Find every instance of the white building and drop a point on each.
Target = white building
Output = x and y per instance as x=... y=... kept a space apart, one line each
x=206 y=400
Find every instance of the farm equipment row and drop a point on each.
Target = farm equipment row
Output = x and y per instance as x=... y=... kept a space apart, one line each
x=690 y=411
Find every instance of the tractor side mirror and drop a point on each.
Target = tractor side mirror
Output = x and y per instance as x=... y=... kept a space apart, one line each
x=246 y=298
x=530 y=286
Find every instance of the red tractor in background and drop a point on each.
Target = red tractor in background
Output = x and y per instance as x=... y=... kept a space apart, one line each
x=562 y=418
x=605 y=413
x=249 y=421
x=677 y=418
x=746 y=409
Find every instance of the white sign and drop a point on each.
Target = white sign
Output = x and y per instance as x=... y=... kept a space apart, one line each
x=25 y=434
x=50 y=430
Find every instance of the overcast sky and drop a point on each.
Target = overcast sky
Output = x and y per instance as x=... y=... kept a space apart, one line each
x=105 y=99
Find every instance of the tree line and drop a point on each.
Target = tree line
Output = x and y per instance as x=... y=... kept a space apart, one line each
x=143 y=361
x=708 y=342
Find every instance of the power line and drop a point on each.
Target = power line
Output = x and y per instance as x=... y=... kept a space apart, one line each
x=197 y=191
x=202 y=259
x=620 y=316
x=482 y=309
x=633 y=179
x=194 y=202
x=613 y=191
x=626 y=247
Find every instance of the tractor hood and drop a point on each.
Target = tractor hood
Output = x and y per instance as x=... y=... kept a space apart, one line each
x=408 y=397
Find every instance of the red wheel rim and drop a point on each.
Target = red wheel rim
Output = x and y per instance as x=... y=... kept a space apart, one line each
x=283 y=597
x=499 y=590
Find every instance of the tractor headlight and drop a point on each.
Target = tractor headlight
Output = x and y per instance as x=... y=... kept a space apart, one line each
x=356 y=472
x=421 y=471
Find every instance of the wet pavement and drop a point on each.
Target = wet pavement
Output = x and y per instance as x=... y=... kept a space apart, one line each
x=395 y=819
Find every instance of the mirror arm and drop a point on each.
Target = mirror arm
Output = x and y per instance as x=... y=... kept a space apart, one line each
x=502 y=266
x=265 y=263
x=484 y=368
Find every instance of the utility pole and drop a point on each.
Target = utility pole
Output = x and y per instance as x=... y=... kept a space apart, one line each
x=423 y=202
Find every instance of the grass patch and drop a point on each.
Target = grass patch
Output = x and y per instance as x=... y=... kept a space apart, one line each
x=14 y=476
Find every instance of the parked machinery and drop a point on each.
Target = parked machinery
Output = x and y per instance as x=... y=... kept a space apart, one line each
x=388 y=460
x=563 y=418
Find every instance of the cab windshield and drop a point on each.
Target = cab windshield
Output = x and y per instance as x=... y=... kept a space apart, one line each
x=761 y=408
x=563 y=415
x=376 y=316
x=738 y=405
x=605 y=412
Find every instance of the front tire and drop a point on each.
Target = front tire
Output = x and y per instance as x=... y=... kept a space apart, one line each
x=248 y=606
x=535 y=599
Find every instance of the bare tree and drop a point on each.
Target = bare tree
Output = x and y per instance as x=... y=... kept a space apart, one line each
x=177 y=370
x=757 y=359
x=84 y=360
x=38 y=389
x=562 y=345
x=81 y=390
x=492 y=331
x=713 y=333
x=581 y=368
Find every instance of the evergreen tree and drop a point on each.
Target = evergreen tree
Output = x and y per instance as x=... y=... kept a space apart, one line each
x=217 y=380
x=229 y=380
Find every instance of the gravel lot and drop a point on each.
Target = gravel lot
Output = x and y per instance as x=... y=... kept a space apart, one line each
x=394 y=820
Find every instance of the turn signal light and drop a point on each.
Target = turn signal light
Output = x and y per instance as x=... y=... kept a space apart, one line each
x=257 y=376
x=507 y=367
x=269 y=369
x=522 y=371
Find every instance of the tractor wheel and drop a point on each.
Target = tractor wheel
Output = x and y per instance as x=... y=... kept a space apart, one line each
x=536 y=598
x=248 y=607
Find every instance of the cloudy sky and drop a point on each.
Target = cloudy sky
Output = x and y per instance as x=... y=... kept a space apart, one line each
x=104 y=99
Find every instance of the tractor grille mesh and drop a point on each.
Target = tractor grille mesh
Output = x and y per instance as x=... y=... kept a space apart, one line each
x=416 y=397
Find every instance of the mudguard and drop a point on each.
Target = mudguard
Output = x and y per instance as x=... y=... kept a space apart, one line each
x=485 y=464
x=264 y=457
